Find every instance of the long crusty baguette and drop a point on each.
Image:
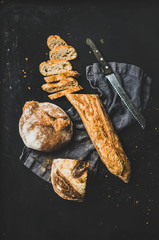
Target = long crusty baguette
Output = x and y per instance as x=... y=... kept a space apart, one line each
x=102 y=134
x=63 y=93
x=69 y=177
x=54 y=41
x=58 y=77
x=63 y=84
x=54 y=67
x=63 y=53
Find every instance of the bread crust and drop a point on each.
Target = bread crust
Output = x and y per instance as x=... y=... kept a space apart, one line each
x=45 y=126
x=56 y=38
x=58 y=77
x=64 y=92
x=69 y=177
x=63 y=84
x=102 y=134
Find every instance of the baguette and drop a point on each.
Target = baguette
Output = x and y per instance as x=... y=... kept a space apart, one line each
x=54 y=41
x=63 y=53
x=54 y=67
x=102 y=134
x=63 y=84
x=58 y=77
x=63 y=93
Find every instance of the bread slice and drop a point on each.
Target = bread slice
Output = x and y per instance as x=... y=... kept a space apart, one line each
x=54 y=67
x=63 y=53
x=63 y=93
x=102 y=134
x=63 y=84
x=54 y=41
x=69 y=178
x=58 y=77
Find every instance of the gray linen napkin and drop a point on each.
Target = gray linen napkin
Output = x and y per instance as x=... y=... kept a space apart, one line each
x=134 y=81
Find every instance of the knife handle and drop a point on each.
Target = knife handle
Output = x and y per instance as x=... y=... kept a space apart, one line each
x=107 y=69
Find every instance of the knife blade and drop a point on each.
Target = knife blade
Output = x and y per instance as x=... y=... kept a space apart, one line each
x=116 y=85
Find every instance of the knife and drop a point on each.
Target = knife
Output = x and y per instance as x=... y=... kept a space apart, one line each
x=116 y=85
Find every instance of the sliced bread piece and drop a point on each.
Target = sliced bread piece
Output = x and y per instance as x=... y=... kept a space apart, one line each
x=63 y=84
x=54 y=67
x=59 y=77
x=54 y=41
x=63 y=53
x=63 y=93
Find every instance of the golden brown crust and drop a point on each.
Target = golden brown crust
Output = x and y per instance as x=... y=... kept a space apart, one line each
x=45 y=126
x=55 y=40
x=63 y=93
x=59 y=77
x=63 y=84
x=68 y=177
x=102 y=134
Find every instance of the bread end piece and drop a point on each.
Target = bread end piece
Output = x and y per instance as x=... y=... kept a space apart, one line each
x=69 y=177
x=54 y=41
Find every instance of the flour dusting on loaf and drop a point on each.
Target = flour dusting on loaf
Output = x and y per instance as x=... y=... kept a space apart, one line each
x=44 y=126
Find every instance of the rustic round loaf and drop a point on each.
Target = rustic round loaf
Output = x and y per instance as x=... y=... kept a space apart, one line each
x=44 y=126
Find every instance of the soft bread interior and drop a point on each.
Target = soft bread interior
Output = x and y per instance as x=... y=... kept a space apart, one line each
x=63 y=53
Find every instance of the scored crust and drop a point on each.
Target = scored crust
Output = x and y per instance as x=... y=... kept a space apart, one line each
x=69 y=177
x=63 y=53
x=102 y=134
x=55 y=40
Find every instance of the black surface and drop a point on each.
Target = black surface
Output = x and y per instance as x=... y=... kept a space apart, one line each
x=113 y=210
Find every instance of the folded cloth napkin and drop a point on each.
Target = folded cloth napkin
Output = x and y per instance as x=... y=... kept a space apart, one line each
x=135 y=83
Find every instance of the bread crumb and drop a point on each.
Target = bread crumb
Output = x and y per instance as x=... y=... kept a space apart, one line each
x=26 y=59
x=46 y=53
x=24 y=76
x=136 y=146
x=102 y=40
x=29 y=88
x=147 y=223
x=137 y=202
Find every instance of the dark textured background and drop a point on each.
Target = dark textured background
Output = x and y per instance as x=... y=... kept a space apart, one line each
x=113 y=210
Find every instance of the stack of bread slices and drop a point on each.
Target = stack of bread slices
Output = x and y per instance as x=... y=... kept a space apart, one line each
x=59 y=76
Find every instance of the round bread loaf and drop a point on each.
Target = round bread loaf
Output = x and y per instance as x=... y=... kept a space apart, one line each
x=44 y=126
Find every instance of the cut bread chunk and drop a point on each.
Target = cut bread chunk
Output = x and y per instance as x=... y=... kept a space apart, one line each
x=54 y=67
x=63 y=93
x=59 y=77
x=63 y=84
x=69 y=178
x=54 y=41
x=63 y=53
